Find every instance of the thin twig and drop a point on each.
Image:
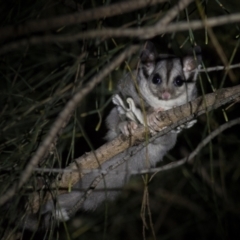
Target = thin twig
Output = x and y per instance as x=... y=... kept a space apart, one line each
x=173 y=12
x=189 y=159
x=54 y=143
x=219 y=68
x=216 y=44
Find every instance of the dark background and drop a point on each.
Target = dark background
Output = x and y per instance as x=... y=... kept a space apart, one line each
x=183 y=202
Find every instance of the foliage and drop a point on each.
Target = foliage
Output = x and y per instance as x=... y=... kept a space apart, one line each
x=198 y=201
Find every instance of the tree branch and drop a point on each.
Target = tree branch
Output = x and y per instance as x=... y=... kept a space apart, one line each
x=194 y=153
x=171 y=119
x=142 y=33
x=168 y=120
x=76 y=18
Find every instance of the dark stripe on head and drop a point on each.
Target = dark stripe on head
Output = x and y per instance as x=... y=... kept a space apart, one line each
x=169 y=67
x=145 y=72
x=181 y=61
x=190 y=79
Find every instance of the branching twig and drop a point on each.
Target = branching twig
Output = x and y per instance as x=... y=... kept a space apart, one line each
x=216 y=44
x=54 y=143
x=70 y=106
x=189 y=159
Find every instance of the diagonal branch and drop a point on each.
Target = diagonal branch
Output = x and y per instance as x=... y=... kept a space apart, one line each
x=194 y=153
x=169 y=119
x=63 y=116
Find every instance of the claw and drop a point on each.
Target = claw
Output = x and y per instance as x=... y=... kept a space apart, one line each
x=128 y=128
x=159 y=109
x=152 y=122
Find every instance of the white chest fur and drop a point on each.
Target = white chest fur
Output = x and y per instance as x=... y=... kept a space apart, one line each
x=156 y=103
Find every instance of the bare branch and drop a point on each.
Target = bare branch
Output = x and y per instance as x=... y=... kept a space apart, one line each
x=173 y=12
x=189 y=159
x=160 y=169
x=172 y=118
x=142 y=33
x=169 y=119
x=57 y=126
x=76 y=18
x=96 y=181
x=219 y=68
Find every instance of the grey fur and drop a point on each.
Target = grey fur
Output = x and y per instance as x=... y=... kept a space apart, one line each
x=149 y=96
